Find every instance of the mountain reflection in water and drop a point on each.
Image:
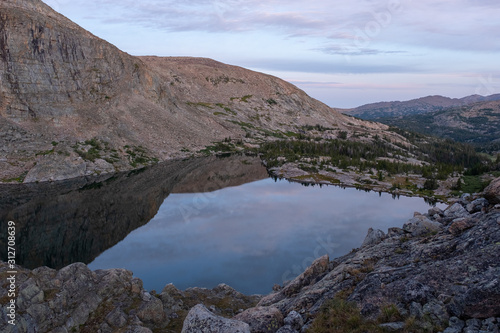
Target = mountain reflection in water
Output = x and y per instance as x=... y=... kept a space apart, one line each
x=197 y=222
x=76 y=220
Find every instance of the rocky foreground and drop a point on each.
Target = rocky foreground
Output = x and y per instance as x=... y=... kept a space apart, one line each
x=439 y=272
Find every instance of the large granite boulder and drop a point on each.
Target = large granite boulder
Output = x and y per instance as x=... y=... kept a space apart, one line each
x=201 y=320
x=421 y=225
x=492 y=191
x=373 y=237
x=262 y=319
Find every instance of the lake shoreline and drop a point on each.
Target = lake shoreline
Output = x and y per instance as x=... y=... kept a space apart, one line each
x=423 y=262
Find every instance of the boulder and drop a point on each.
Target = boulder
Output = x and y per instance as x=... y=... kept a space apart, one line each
x=373 y=237
x=456 y=324
x=56 y=167
x=477 y=205
x=287 y=329
x=456 y=211
x=421 y=225
x=310 y=276
x=459 y=225
x=262 y=319
x=396 y=326
x=201 y=320
x=435 y=211
x=492 y=191
x=294 y=320
x=151 y=311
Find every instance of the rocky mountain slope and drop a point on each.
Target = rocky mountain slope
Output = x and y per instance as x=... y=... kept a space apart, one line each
x=437 y=273
x=381 y=110
x=72 y=104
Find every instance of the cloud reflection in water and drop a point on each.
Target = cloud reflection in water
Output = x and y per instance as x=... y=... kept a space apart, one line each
x=252 y=236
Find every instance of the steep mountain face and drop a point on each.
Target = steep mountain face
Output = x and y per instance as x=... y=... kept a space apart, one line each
x=378 y=111
x=72 y=104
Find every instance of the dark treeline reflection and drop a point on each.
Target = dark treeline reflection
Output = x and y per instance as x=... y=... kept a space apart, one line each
x=74 y=221
x=395 y=195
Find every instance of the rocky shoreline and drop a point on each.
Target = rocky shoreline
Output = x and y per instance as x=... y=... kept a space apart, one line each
x=438 y=273
x=353 y=178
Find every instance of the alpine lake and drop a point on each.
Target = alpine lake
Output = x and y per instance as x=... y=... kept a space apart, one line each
x=195 y=223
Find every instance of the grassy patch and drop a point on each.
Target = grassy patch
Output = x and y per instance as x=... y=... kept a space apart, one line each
x=271 y=102
x=19 y=179
x=218 y=147
x=227 y=109
x=339 y=316
x=138 y=155
x=243 y=124
x=202 y=104
x=242 y=99
x=45 y=152
x=89 y=150
x=472 y=184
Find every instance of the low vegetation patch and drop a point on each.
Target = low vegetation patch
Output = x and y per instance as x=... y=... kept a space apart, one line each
x=339 y=316
x=89 y=150
x=200 y=104
x=138 y=155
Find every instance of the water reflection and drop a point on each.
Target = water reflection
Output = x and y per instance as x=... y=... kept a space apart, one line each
x=197 y=222
x=74 y=221
x=254 y=235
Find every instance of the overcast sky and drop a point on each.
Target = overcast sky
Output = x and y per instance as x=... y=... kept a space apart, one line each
x=344 y=53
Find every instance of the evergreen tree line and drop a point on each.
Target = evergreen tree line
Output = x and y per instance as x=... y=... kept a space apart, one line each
x=444 y=156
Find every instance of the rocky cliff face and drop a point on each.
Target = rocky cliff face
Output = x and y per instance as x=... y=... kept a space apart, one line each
x=72 y=104
x=437 y=273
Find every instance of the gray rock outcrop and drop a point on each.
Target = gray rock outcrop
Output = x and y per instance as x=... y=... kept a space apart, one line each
x=492 y=191
x=201 y=320
x=421 y=225
x=373 y=237
x=262 y=319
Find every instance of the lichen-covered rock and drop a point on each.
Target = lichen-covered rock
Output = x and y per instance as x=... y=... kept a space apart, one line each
x=262 y=319
x=421 y=225
x=201 y=320
x=460 y=224
x=294 y=320
x=477 y=205
x=492 y=191
x=287 y=329
x=373 y=237
x=456 y=211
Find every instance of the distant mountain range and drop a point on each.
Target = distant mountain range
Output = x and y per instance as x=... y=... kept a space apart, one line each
x=473 y=119
x=377 y=111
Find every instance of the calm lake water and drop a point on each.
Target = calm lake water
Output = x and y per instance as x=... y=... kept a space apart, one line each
x=196 y=222
x=252 y=236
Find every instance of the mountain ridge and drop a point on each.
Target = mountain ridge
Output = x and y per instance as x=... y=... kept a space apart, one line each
x=379 y=110
x=72 y=104
x=477 y=124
